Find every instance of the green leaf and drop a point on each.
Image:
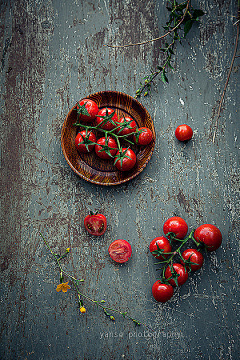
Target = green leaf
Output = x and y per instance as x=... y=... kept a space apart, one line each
x=164 y=78
x=187 y=27
x=197 y=13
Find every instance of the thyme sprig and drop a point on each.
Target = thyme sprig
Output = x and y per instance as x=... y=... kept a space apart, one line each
x=65 y=287
x=181 y=18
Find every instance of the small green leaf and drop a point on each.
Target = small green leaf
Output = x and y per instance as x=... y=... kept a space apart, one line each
x=164 y=78
x=187 y=27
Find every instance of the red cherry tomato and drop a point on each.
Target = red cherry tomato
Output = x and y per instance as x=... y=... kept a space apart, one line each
x=87 y=110
x=162 y=292
x=95 y=224
x=183 y=132
x=143 y=136
x=176 y=225
x=88 y=145
x=194 y=256
x=160 y=243
x=180 y=273
x=128 y=128
x=120 y=251
x=105 y=120
x=209 y=235
x=126 y=161
x=101 y=143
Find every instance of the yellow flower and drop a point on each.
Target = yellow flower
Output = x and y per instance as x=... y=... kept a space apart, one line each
x=82 y=309
x=67 y=250
x=112 y=318
x=63 y=286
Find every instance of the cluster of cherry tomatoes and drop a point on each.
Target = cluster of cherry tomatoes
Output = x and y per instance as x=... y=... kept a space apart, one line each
x=175 y=230
x=108 y=146
x=191 y=259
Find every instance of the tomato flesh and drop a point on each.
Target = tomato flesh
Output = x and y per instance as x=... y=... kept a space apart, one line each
x=95 y=224
x=162 y=292
x=120 y=251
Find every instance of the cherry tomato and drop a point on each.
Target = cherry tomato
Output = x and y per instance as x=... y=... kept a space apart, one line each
x=95 y=224
x=183 y=132
x=88 y=145
x=179 y=271
x=194 y=256
x=162 y=292
x=128 y=128
x=107 y=118
x=176 y=225
x=125 y=160
x=160 y=243
x=101 y=149
x=143 y=136
x=209 y=235
x=120 y=251
x=87 y=110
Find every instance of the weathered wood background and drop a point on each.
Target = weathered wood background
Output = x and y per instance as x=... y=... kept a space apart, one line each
x=52 y=55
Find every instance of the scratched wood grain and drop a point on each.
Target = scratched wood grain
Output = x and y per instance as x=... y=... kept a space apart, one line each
x=53 y=54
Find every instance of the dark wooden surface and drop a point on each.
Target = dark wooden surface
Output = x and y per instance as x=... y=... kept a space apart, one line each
x=52 y=55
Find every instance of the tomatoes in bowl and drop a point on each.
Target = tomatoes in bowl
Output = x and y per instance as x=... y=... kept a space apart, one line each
x=106 y=148
x=143 y=136
x=95 y=224
x=85 y=141
x=126 y=126
x=183 y=132
x=162 y=292
x=87 y=110
x=176 y=225
x=106 y=119
x=120 y=250
x=125 y=159
x=209 y=235
x=159 y=246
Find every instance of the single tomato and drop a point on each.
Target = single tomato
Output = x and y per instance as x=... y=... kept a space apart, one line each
x=176 y=225
x=127 y=126
x=183 y=132
x=95 y=224
x=176 y=274
x=125 y=159
x=120 y=251
x=87 y=110
x=143 y=136
x=159 y=246
x=85 y=141
x=162 y=292
x=192 y=256
x=106 y=148
x=106 y=119
x=209 y=235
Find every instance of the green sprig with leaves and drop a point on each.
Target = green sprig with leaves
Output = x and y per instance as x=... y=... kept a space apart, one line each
x=181 y=18
x=64 y=287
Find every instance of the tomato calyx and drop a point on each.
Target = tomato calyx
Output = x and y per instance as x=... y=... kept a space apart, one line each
x=161 y=252
x=121 y=155
x=86 y=140
x=106 y=118
x=82 y=110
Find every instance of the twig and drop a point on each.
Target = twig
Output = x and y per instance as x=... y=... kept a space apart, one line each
x=158 y=38
x=228 y=77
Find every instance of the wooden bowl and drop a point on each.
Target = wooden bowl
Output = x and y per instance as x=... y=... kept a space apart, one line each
x=89 y=166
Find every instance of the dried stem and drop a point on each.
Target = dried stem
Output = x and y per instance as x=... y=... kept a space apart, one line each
x=228 y=77
x=158 y=38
